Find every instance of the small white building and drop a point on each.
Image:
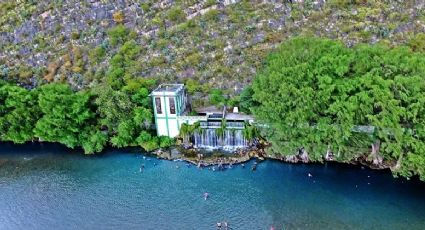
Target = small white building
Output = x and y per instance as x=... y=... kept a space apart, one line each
x=169 y=102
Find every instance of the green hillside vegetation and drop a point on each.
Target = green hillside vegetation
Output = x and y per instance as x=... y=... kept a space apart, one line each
x=220 y=46
x=313 y=93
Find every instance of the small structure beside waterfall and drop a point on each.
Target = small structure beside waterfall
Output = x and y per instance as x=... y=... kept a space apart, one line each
x=214 y=128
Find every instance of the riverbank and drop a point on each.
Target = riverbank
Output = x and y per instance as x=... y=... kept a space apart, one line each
x=212 y=158
x=206 y=158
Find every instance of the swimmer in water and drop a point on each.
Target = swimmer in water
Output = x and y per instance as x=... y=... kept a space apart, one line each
x=206 y=196
x=219 y=225
x=309 y=175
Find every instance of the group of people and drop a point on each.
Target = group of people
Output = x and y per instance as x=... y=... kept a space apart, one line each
x=219 y=164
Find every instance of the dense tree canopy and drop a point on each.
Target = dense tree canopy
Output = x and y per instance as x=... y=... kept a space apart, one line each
x=89 y=119
x=18 y=114
x=65 y=114
x=324 y=97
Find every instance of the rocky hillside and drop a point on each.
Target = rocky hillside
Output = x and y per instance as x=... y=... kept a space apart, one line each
x=217 y=43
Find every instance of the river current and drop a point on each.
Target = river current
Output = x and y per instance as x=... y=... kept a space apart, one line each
x=51 y=187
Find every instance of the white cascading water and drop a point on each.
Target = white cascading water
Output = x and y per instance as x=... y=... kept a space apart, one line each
x=209 y=139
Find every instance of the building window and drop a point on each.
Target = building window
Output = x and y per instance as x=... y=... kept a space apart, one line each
x=158 y=105
x=172 y=106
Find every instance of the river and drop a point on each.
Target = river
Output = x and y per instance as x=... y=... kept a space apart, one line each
x=50 y=187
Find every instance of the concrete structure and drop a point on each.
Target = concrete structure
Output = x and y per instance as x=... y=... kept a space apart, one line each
x=169 y=102
x=171 y=108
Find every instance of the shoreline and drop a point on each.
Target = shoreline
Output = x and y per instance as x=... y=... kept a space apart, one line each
x=245 y=155
x=177 y=153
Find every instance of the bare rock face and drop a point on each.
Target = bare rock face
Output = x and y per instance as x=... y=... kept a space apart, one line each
x=229 y=2
x=374 y=156
x=163 y=154
x=291 y=159
x=303 y=156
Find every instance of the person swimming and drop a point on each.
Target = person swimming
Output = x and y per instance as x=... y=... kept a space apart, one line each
x=219 y=225
x=206 y=196
x=254 y=166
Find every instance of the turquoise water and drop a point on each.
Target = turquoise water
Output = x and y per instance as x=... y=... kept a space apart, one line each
x=49 y=187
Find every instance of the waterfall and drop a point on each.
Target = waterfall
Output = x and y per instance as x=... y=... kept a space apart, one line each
x=208 y=138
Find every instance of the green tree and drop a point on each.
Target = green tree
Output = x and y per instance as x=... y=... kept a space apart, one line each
x=216 y=97
x=123 y=65
x=126 y=115
x=245 y=100
x=65 y=114
x=120 y=34
x=315 y=93
x=19 y=112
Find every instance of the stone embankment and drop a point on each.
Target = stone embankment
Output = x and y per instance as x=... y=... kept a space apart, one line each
x=210 y=158
x=202 y=158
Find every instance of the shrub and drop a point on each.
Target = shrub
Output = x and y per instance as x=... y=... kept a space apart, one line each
x=118 y=34
x=216 y=97
x=165 y=142
x=193 y=86
x=118 y=17
x=145 y=6
x=97 y=54
x=211 y=15
x=417 y=43
x=209 y=3
x=194 y=59
x=176 y=14
x=75 y=35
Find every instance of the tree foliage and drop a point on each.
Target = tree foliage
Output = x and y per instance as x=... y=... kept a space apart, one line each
x=315 y=93
x=89 y=119
x=65 y=114
x=18 y=114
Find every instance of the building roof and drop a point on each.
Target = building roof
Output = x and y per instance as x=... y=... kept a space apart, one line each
x=238 y=117
x=209 y=109
x=168 y=89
